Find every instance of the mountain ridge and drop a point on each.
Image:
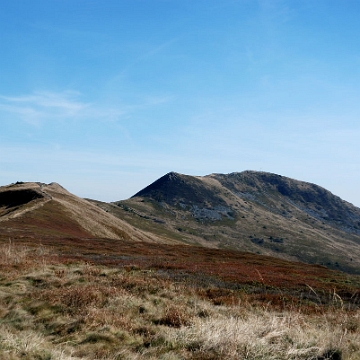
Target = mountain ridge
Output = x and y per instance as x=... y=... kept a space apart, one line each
x=38 y=210
x=305 y=195
x=252 y=211
x=249 y=211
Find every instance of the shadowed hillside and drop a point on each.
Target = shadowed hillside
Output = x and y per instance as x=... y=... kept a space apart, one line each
x=251 y=211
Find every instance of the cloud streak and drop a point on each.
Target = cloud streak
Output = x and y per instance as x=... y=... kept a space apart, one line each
x=39 y=106
x=44 y=106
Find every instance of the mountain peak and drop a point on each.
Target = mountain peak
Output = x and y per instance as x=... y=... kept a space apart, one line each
x=167 y=183
x=172 y=175
x=257 y=211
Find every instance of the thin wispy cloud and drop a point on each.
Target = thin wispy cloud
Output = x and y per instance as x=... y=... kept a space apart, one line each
x=40 y=106
x=68 y=104
x=27 y=113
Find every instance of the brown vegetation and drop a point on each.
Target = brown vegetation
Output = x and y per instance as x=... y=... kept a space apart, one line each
x=54 y=306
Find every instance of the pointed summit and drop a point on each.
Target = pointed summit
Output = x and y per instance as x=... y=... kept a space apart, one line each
x=163 y=188
x=174 y=189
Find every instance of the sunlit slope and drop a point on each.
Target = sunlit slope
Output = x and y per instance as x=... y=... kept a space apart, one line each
x=37 y=210
x=250 y=211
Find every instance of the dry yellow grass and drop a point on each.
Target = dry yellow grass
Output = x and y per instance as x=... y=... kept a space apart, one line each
x=93 y=219
x=55 y=310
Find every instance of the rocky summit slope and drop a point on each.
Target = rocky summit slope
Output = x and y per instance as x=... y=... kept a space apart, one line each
x=38 y=211
x=250 y=211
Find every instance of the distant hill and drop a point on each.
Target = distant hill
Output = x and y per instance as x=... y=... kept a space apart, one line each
x=250 y=211
x=47 y=211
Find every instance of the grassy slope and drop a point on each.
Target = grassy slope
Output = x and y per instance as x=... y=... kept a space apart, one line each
x=54 y=306
x=255 y=216
x=260 y=233
x=57 y=213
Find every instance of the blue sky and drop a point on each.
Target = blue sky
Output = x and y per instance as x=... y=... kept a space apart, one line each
x=106 y=96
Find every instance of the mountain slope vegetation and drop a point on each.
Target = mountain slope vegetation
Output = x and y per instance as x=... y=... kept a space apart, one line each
x=55 y=307
x=250 y=211
x=48 y=211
